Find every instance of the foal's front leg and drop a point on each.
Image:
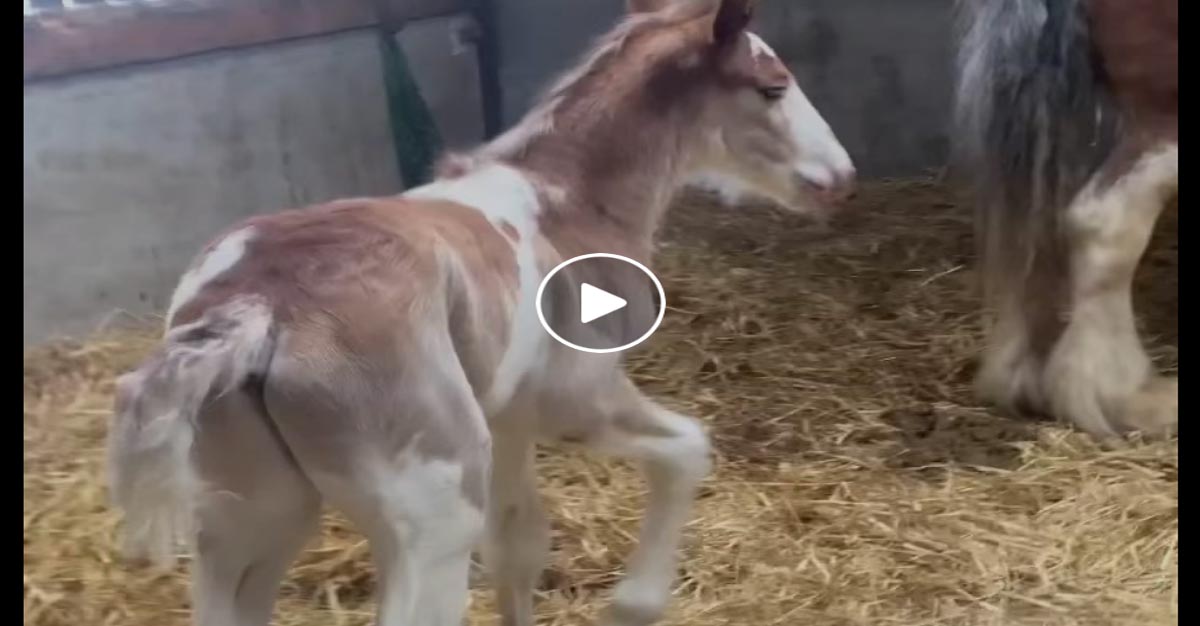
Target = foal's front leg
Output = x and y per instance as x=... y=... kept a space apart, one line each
x=674 y=451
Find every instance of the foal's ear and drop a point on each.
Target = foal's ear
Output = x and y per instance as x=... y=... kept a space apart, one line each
x=732 y=18
x=646 y=6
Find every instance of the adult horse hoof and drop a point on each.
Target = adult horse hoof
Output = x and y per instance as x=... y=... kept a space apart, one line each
x=1154 y=410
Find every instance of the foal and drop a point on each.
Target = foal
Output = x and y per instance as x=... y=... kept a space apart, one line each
x=1068 y=117
x=385 y=356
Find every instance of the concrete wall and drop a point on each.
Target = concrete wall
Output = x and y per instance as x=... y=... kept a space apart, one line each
x=878 y=70
x=447 y=72
x=128 y=172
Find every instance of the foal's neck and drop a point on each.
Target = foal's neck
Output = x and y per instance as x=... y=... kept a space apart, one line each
x=620 y=168
x=608 y=145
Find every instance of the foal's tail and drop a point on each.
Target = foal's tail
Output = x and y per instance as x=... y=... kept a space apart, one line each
x=1034 y=122
x=150 y=471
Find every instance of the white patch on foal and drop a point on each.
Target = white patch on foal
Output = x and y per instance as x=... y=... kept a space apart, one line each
x=504 y=195
x=425 y=554
x=225 y=255
x=500 y=192
x=760 y=47
x=421 y=491
x=823 y=159
x=729 y=189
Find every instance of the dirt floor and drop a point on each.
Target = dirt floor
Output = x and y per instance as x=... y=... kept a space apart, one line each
x=858 y=482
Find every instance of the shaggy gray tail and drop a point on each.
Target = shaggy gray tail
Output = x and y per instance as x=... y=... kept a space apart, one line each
x=151 y=476
x=1034 y=122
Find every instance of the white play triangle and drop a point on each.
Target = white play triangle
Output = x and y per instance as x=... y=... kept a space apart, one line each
x=595 y=303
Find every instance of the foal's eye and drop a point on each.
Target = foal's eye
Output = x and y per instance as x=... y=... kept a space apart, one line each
x=772 y=94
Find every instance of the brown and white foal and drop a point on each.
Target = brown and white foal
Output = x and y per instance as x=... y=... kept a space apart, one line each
x=384 y=355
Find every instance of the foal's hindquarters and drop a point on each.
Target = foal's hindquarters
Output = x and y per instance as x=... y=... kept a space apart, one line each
x=392 y=438
x=402 y=448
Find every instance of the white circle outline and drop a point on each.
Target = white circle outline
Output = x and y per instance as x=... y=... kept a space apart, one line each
x=662 y=302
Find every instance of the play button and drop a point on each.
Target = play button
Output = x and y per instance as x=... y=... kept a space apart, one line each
x=600 y=303
x=595 y=303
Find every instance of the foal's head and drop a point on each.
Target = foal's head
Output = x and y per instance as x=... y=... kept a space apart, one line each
x=755 y=124
x=683 y=77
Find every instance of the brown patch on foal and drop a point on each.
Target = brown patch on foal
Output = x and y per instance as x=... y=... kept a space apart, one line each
x=578 y=167
x=743 y=67
x=364 y=272
x=368 y=279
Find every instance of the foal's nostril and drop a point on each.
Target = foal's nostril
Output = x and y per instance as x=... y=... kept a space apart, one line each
x=830 y=184
x=847 y=183
x=821 y=183
x=850 y=177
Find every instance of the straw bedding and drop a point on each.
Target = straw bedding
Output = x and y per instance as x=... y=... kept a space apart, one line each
x=858 y=481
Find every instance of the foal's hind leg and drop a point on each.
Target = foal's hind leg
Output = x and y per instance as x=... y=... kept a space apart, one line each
x=422 y=529
x=1098 y=374
x=256 y=515
x=422 y=516
x=402 y=448
x=518 y=533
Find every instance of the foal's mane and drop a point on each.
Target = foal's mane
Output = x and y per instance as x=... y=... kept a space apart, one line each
x=597 y=83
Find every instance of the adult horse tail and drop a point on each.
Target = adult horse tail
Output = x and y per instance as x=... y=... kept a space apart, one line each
x=1034 y=121
x=151 y=476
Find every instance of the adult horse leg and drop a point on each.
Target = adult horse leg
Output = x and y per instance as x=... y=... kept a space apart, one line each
x=1098 y=375
x=1025 y=324
x=1011 y=371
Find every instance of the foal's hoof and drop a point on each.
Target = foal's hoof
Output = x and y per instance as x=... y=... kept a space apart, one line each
x=628 y=616
x=635 y=607
x=1154 y=410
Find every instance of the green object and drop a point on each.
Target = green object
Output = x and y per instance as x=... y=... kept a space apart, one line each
x=414 y=133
